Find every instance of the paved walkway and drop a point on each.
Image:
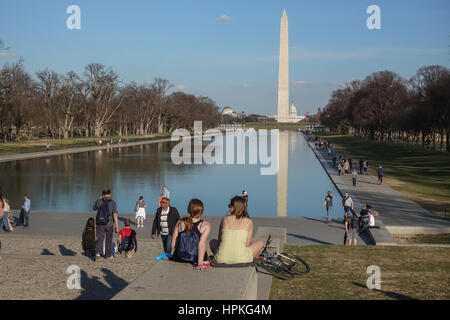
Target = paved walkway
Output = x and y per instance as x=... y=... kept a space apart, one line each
x=394 y=208
x=300 y=231
x=43 y=154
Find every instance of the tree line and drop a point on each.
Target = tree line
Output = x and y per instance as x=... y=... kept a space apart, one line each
x=93 y=104
x=385 y=106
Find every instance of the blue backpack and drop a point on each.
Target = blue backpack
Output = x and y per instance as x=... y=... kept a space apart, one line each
x=102 y=217
x=187 y=248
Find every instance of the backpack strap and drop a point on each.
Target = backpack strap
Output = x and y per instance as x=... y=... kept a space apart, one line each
x=200 y=226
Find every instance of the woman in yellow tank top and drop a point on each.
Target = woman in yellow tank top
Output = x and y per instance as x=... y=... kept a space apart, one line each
x=234 y=244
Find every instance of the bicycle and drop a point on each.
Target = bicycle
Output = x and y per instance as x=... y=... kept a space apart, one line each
x=282 y=265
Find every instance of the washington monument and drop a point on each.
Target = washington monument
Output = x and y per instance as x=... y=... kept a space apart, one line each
x=283 y=71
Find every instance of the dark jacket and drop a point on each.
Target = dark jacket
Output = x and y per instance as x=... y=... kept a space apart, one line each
x=172 y=219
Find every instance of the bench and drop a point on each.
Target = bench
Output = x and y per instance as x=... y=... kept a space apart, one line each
x=168 y=280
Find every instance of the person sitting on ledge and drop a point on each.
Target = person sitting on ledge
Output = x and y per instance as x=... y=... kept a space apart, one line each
x=190 y=236
x=88 y=238
x=127 y=242
x=234 y=244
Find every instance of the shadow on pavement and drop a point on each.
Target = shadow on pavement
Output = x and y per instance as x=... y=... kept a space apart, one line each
x=393 y=295
x=66 y=252
x=308 y=238
x=46 y=252
x=94 y=289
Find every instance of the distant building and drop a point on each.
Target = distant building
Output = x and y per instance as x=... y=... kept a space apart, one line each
x=292 y=118
x=228 y=111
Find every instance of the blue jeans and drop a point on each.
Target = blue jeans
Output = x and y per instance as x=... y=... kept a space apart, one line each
x=4 y=221
x=167 y=243
x=329 y=213
x=349 y=210
x=27 y=218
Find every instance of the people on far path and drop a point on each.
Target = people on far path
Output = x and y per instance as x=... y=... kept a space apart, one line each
x=165 y=192
x=354 y=175
x=140 y=212
x=339 y=168
x=245 y=195
x=328 y=202
x=166 y=218
x=346 y=166
x=26 y=209
x=107 y=220
x=88 y=238
x=334 y=161
x=365 y=166
x=380 y=175
x=361 y=166
x=347 y=203
x=127 y=242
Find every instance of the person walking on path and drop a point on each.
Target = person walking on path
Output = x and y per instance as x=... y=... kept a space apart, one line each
x=380 y=175
x=106 y=220
x=365 y=165
x=164 y=223
x=352 y=229
x=347 y=203
x=165 y=192
x=26 y=211
x=8 y=215
x=354 y=175
x=339 y=168
x=334 y=161
x=140 y=212
x=329 y=204
x=3 y=214
x=361 y=166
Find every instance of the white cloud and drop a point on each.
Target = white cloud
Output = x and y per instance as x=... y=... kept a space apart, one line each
x=181 y=87
x=224 y=17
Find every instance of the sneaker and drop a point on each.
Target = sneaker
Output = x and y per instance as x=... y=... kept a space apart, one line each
x=97 y=258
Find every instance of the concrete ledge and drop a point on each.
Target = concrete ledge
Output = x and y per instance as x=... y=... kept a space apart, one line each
x=168 y=280
x=278 y=236
x=407 y=231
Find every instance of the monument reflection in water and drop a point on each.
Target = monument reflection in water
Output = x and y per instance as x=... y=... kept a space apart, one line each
x=72 y=182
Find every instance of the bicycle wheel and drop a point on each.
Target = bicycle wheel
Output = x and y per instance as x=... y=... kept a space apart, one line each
x=298 y=266
x=276 y=270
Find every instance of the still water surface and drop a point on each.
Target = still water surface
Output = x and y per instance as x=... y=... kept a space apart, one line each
x=72 y=182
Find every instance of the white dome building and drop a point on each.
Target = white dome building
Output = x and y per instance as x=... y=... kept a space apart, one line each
x=293 y=117
x=227 y=110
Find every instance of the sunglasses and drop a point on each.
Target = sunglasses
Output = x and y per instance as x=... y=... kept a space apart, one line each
x=164 y=202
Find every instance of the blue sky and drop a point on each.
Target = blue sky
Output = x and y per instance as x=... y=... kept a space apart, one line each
x=233 y=59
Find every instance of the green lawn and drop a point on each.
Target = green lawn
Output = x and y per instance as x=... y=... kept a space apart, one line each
x=339 y=272
x=57 y=144
x=420 y=174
